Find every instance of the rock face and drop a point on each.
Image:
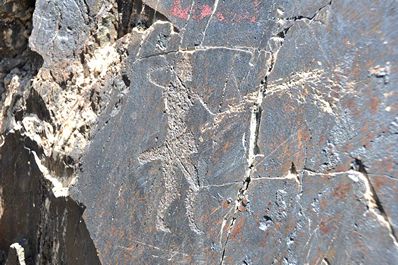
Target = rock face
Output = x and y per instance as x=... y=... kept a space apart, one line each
x=198 y=132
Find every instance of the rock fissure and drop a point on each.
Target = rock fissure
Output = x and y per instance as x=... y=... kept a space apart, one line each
x=242 y=200
x=374 y=203
x=310 y=18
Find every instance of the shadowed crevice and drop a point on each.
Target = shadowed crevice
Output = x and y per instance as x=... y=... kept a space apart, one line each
x=50 y=229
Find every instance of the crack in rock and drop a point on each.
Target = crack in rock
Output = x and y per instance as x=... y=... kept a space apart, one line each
x=274 y=45
x=374 y=203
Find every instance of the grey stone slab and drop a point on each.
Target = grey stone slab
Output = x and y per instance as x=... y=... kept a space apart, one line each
x=60 y=29
x=202 y=132
x=327 y=218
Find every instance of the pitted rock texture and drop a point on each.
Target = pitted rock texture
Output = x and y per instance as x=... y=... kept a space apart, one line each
x=198 y=132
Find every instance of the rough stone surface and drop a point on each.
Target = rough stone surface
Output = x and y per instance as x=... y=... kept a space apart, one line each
x=198 y=132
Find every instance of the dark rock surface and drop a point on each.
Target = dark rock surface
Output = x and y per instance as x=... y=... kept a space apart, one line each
x=198 y=132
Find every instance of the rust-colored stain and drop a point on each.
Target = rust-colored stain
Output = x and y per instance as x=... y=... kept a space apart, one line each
x=226 y=204
x=291 y=225
x=344 y=165
x=227 y=146
x=352 y=106
x=374 y=105
x=323 y=203
x=367 y=134
x=342 y=190
x=347 y=147
x=219 y=222
x=205 y=217
x=302 y=137
x=379 y=182
x=324 y=228
x=229 y=260
x=237 y=227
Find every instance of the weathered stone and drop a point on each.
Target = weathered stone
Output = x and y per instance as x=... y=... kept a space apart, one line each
x=198 y=132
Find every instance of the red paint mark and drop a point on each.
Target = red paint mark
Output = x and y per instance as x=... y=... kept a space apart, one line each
x=200 y=12
x=178 y=11
x=220 y=16
x=206 y=11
